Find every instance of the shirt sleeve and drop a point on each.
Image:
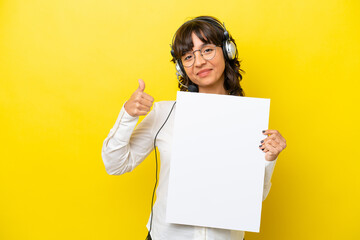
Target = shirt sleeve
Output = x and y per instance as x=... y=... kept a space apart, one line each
x=269 y=169
x=125 y=148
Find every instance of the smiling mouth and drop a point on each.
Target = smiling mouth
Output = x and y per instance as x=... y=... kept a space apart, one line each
x=204 y=73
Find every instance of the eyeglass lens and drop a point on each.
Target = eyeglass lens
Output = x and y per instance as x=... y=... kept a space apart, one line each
x=207 y=52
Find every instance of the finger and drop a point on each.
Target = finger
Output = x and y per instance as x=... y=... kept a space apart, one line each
x=142 y=107
x=147 y=96
x=274 y=147
x=262 y=147
x=282 y=144
x=271 y=137
x=272 y=150
x=279 y=136
x=272 y=143
x=140 y=112
x=279 y=146
x=278 y=139
x=139 y=96
x=274 y=133
x=265 y=150
x=141 y=85
x=146 y=102
x=269 y=131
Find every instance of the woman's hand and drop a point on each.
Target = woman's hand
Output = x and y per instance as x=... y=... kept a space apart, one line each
x=272 y=145
x=139 y=103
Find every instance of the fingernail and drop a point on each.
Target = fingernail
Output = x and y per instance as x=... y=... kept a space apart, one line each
x=262 y=149
x=262 y=141
x=263 y=131
x=260 y=145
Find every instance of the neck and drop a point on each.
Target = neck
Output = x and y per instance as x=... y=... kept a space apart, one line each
x=213 y=91
x=217 y=88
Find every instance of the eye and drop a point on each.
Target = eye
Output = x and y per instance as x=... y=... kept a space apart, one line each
x=187 y=57
x=208 y=49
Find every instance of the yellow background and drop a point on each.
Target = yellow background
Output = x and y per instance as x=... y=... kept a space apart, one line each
x=66 y=68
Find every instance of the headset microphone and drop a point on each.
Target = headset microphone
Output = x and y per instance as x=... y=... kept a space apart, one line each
x=193 y=88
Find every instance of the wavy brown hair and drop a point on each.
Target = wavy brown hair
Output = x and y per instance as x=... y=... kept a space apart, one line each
x=209 y=30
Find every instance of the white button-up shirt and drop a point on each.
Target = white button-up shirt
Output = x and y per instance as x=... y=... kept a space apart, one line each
x=125 y=148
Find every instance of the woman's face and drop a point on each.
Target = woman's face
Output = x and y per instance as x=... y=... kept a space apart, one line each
x=207 y=74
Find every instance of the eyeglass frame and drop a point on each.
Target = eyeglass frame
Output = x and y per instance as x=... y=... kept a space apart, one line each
x=193 y=53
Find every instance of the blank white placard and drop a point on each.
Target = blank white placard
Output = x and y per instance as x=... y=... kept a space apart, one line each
x=217 y=169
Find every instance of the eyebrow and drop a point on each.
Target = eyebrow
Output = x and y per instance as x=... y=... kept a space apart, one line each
x=200 y=46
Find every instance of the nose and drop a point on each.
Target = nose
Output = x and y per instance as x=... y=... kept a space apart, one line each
x=199 y=60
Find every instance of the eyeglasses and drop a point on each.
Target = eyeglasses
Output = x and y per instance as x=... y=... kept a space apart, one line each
x=207 y=51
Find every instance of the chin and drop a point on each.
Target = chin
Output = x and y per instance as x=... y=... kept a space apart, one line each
x=207 y=82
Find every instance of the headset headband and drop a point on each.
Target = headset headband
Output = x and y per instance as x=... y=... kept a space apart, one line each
x=204 y=19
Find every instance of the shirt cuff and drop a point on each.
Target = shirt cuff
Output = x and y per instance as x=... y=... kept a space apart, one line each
x=269 y=169
x=123 y=127
x=127 y=116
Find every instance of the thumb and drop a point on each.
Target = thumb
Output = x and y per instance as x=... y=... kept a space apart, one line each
x=141 y=85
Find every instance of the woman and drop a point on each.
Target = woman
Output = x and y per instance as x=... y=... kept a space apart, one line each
x=206 y=61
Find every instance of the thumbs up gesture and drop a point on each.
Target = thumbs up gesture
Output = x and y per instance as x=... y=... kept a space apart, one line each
x=140 y=102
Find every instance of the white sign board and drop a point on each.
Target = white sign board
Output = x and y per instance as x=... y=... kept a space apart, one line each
x=217 y=169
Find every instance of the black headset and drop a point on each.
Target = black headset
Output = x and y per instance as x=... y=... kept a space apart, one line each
x=228 y=46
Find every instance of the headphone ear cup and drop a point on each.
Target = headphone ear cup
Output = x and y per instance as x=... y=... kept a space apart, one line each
x=229 y=49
